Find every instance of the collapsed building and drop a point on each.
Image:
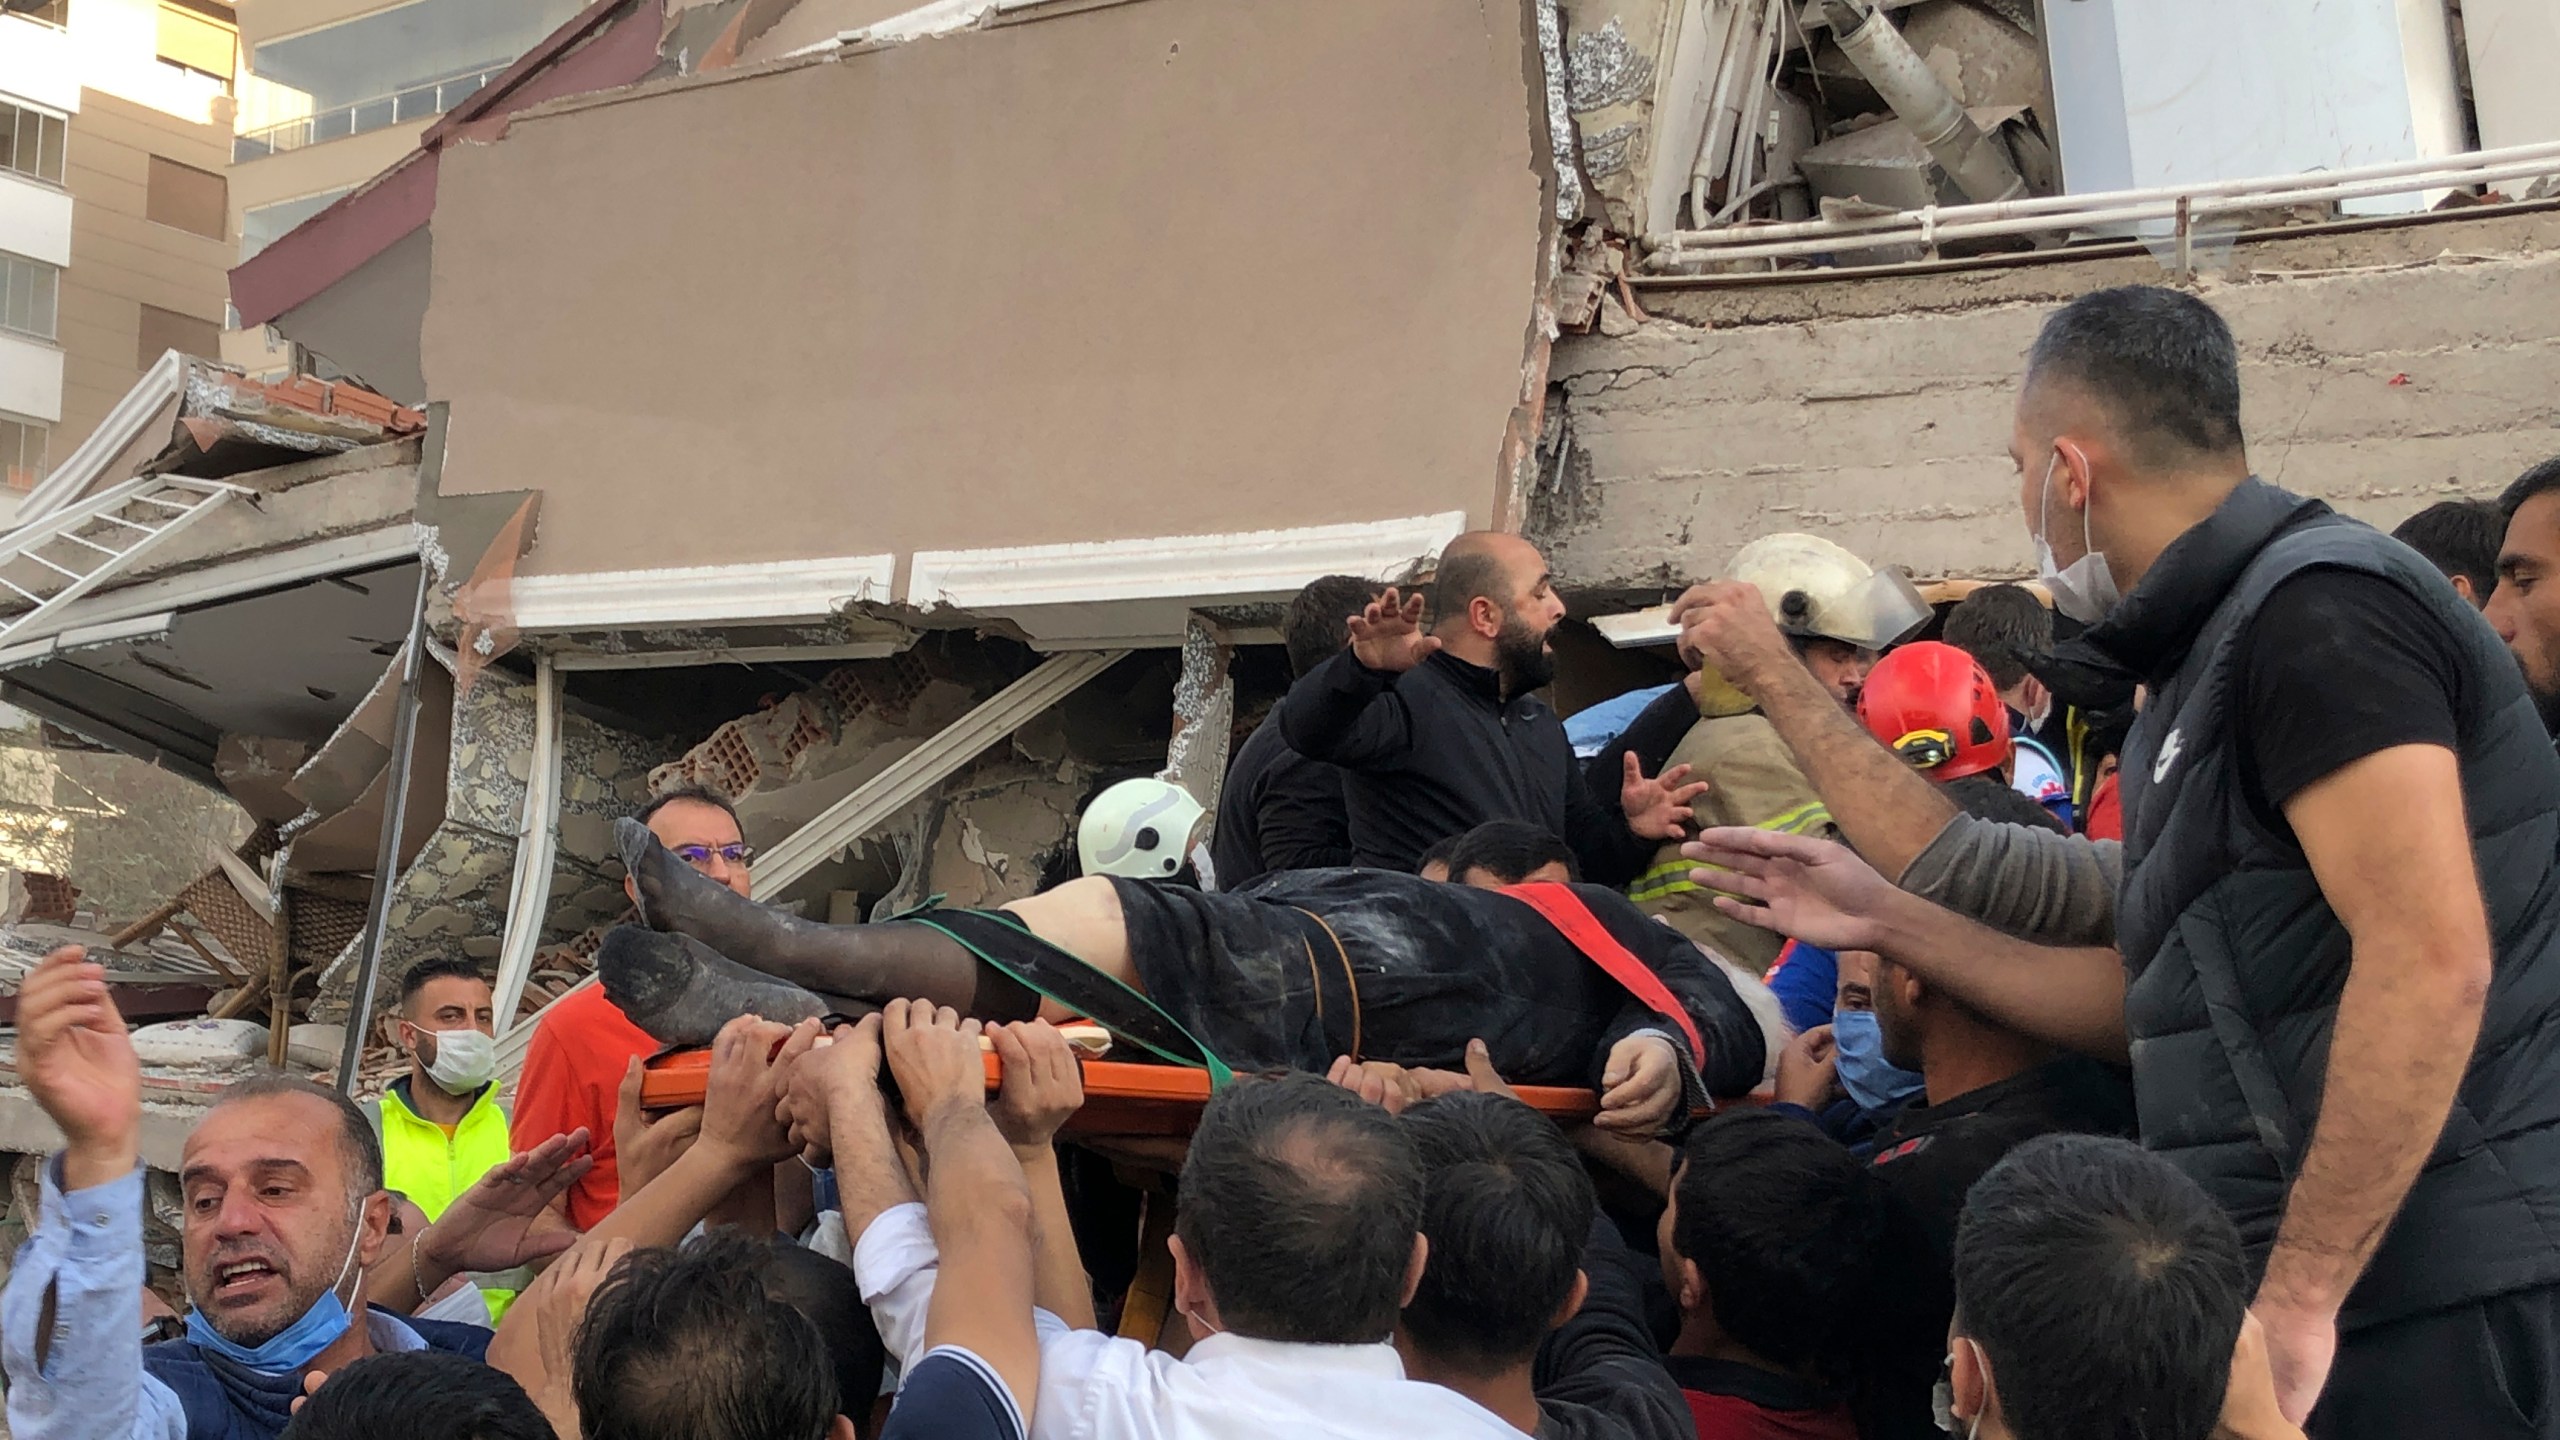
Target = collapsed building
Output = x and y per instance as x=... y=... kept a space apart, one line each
x=910 y=420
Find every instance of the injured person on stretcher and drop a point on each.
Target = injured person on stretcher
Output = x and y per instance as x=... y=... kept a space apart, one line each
x=1292 y=972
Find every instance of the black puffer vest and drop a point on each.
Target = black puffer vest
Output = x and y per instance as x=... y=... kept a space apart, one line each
x=2235 y=960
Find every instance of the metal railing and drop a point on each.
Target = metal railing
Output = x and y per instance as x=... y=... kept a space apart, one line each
x=416 y=102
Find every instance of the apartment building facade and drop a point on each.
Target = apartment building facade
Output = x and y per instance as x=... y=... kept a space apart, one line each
x=334 y=92
x=115 y=118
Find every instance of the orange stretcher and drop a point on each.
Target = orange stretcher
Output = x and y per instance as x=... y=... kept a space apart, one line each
x=1120 y=1097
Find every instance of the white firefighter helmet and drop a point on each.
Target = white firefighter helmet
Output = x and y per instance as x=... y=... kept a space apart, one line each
x=1816 y=588
x=1140 y=829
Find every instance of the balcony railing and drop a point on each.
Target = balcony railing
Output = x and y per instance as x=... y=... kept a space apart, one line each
x=417 y=102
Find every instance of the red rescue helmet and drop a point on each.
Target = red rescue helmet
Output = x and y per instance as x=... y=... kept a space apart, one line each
x=1933 y=706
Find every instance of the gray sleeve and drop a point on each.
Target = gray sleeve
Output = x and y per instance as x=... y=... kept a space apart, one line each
x=2035 y=884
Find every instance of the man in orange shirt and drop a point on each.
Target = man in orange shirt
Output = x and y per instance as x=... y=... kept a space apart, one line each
x=583 y=1045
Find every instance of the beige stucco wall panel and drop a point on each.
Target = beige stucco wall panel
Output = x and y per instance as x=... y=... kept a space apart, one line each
x=1162 y=268
x=1878 y=410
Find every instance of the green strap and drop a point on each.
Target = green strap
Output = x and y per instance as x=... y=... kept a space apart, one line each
x=1107 y=988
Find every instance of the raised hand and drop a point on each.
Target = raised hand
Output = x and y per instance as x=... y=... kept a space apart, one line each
x=1658 y=809
x=1726 y=625
x=74 y=1055
x=498 y=1223
x=558 y=1298
x=1814 y=890
x=1389 y=634
x=1042 y=1085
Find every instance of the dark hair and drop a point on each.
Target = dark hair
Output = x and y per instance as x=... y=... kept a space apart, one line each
x=1785 y=1229
x=1507 y=1208
x=1440 y=850
x=1316 y=627
x=2459 y=537
x=829 y=1298
x=1468 y=570
x=2539 y=480
x=689 y=1345
x=446 y=967
x=359 y=1148
x=2002 y=627
x=1509 y=850
x=1988 y=797
x=1300 y=1204
x=2106 y=1288
x=2160 y=362
x=693 y=794
x=420 y=1395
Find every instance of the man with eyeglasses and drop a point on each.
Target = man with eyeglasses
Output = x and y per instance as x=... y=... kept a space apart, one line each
x=583 y=1047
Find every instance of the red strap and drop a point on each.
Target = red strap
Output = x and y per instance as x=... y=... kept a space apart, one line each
x=1564 y=910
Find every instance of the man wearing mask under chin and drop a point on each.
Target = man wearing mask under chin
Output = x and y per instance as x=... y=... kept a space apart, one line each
x=286 y=1236
x=440 y=1125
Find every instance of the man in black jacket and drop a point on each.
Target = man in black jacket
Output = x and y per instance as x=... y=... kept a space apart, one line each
x=1438 y=732
x=1280 y=810
x=2334 y=968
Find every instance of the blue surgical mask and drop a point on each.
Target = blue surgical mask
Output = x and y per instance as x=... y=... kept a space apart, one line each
x=289 y=1350
x=1875 y=1083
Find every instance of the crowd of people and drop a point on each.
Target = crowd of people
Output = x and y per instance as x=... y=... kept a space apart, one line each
x=2119 y=1008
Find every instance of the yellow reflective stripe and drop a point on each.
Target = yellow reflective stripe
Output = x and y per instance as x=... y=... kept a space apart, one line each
x=1671 y=877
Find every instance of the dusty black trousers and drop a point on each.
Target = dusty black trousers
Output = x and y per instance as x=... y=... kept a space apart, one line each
x=2484 y=1371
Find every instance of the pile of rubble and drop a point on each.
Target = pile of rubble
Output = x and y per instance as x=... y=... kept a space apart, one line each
x=1694 y=114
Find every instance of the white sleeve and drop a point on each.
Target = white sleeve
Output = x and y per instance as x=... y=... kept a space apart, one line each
x=895 y=1263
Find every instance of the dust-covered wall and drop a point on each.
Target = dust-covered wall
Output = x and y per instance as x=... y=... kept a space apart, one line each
x=2382 y=370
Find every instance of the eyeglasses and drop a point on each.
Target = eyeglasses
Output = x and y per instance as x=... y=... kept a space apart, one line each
x=698 y=856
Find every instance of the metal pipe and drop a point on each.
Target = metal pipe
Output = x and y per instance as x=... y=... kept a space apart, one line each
x=1932 y=227
x=2431 y=173
x=386 y=856
x=1978 y=164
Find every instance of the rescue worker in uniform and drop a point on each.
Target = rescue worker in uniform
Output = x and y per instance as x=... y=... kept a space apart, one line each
x=441 y=1126
x=1837 y=612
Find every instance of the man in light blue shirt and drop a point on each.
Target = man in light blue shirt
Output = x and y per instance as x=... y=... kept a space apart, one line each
x=284 y=1216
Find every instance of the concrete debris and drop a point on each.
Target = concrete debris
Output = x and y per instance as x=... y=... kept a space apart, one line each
x=1697 y=114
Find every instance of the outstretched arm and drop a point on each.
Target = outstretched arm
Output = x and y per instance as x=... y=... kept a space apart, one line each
x=1820 y=893
x=1888 y=810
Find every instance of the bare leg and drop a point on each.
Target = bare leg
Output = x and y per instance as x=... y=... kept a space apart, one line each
x=1082 y=917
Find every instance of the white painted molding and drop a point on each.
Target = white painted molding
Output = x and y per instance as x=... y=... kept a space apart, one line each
x=700 y=594
x=1192 y=568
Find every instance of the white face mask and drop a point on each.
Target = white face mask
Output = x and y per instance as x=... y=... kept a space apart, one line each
x=465 y=1060
x=467 y=1305
x=1942 y=1399
x=2085 y=589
